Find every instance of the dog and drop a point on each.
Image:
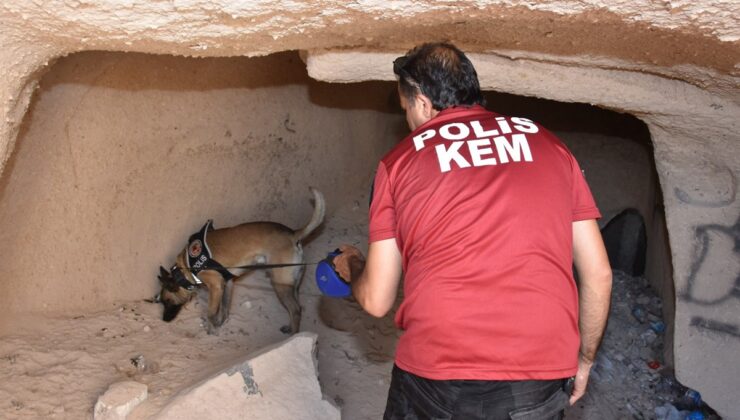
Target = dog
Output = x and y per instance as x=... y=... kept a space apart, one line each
x=249 y=244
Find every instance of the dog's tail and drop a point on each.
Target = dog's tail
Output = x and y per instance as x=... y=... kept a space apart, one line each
x=319 y=209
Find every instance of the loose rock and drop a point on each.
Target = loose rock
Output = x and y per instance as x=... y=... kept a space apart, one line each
x=119 y=400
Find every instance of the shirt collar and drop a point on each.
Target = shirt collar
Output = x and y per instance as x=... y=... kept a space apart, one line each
x=453 y=112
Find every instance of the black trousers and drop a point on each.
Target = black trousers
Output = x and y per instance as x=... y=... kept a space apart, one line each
x=411 y=397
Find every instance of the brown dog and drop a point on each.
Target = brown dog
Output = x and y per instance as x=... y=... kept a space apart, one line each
x=248 y=244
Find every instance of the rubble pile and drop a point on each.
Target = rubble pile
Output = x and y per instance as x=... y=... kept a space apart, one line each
x=629 y=379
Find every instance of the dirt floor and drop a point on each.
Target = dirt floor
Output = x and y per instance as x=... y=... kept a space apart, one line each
x=57 y=367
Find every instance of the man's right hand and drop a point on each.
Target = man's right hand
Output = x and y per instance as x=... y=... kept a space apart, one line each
x=594 y=296
x=579 y=386
x=348 y=262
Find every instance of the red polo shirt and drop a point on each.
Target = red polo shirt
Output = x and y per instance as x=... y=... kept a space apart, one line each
x=481 y=207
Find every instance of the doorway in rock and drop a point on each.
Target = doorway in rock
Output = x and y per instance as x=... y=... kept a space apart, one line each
x=616 y=154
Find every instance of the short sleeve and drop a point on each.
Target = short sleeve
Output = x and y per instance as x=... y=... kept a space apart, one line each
x=382 y=217
x=584 y=207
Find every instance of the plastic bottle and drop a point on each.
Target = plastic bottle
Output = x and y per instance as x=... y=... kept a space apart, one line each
x=695 y=415
x=658 y=327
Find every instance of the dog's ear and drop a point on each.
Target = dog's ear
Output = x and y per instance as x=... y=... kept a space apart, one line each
x=169 y=283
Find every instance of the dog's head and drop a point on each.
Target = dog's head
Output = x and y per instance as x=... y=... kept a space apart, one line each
x=172 y=296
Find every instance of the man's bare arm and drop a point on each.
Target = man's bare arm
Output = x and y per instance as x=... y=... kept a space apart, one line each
x=595 y=284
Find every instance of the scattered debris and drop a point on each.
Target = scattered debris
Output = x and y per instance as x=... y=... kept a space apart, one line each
x=139 y=362
x=629 y=378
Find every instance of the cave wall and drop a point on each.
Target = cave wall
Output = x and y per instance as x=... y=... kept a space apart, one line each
x=673 y=64
x=123 y=156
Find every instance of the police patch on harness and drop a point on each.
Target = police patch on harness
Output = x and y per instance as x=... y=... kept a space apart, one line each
x=195 y=248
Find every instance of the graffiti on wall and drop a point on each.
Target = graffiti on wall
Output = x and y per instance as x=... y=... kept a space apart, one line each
x=715 y=279
x=716 y=326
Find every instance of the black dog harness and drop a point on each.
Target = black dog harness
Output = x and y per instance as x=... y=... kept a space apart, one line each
x=199 y=259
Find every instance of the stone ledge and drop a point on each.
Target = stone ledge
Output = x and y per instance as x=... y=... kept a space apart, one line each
x=280 y=382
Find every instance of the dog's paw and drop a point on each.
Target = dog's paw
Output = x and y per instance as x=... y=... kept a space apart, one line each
x=212 y=329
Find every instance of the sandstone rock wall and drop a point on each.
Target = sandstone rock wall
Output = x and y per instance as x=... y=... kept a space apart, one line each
x=673 y=64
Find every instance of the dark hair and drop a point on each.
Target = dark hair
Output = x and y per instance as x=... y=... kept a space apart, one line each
x=440 y=72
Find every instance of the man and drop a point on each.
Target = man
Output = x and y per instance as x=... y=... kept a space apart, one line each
x=485 y=215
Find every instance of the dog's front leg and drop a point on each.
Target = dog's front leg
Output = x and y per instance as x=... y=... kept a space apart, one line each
x=226 y=299
x=216 y=313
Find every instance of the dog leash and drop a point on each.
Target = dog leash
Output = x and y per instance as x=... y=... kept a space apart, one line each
x=182 y=281
x=261 y=266
x=190 y=286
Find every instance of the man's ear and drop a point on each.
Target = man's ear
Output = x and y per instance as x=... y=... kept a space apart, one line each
x=426 y=105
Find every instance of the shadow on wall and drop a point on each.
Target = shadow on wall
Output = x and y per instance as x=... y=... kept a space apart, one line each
x=123 y=71
x=626 y=242
x=572 y=117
